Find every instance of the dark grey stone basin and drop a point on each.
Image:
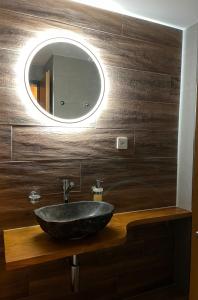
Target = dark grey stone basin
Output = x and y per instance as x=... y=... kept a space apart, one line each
x=75 y=219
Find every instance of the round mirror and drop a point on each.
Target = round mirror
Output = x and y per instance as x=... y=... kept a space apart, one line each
x=64 y=79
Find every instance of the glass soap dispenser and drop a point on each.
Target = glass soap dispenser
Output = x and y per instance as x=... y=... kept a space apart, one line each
x=97 y=190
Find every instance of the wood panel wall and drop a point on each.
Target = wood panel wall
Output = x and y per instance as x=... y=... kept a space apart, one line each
x=142 y=62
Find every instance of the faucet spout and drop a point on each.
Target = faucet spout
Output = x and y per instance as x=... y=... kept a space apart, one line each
x=67 y=187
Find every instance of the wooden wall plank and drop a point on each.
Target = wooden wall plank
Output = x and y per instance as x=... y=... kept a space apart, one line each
x=114 y=50
x=139 y=115
x=72 y=13
x=51 y=277
x=156 y=143
x=13 y=109
x=7 y=72
x=142 y=86
x=13 y=285
x=56 y=143
x=129 y=263
x=149 y=31
x=68 y=12
x=163 y=293
x=5 y=142
x=145 y=183
x=18 y=179
x=18 y=29
x=136 y=54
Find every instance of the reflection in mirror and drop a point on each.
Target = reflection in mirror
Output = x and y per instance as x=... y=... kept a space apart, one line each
x=65 y=79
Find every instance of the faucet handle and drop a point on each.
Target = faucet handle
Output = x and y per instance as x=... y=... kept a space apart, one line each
x=67 y=187
x=67 y=184
x=71 y=184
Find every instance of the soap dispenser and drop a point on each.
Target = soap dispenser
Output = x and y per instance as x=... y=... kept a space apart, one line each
x=97 y=190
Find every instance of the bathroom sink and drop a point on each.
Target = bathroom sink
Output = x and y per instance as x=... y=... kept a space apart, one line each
x=74 y=220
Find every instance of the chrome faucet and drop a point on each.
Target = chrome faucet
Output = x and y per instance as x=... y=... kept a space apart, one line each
x=67 y=187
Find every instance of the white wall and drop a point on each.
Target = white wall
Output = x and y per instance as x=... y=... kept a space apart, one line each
x=187 y=116
x=178 y=13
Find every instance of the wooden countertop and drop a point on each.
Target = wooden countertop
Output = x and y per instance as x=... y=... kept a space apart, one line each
x=30 y=245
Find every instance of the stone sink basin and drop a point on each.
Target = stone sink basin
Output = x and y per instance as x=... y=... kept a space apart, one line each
x=74 y=220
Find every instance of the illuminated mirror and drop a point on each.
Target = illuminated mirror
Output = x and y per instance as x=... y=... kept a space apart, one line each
x=65 y=80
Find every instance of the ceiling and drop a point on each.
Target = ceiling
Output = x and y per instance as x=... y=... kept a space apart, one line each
x=176 y=13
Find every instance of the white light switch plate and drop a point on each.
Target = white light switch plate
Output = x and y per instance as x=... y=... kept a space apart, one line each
x=122 y=142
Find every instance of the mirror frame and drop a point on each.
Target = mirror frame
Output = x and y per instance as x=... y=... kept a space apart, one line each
x=93 y=57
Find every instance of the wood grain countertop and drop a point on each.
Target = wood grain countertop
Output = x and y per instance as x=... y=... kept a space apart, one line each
x=30 y=245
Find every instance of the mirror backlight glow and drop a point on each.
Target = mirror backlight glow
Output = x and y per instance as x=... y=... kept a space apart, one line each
x=89 y=56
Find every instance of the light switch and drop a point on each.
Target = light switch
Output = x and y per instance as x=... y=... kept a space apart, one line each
x=122 y=142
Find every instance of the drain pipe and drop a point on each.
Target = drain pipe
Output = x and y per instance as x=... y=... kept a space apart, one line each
x=75 y=272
